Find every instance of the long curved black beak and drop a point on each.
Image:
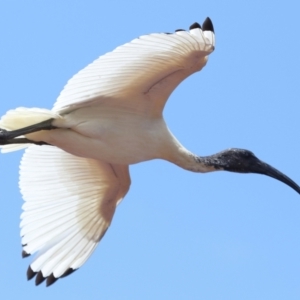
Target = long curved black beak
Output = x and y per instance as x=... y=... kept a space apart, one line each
x=261 y=167
x=244 y=161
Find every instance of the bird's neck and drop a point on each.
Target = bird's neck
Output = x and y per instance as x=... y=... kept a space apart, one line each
x=172 y=150
x=191 y=162
x=185 y=159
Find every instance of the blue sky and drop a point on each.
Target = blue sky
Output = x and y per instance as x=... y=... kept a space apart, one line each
x=177 y=235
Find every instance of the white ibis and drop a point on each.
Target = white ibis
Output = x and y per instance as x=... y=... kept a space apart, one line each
x=75 y=170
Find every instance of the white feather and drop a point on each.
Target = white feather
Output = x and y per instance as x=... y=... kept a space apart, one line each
x=69 y=205
x=108 y=115
x=137 y=66
x=23 y=117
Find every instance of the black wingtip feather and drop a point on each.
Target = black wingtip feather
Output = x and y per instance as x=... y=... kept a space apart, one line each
x=39 y=278
x=30 y=273
x=208 y=25
x=179 y=30
x=68 y=272
x=195 y=25
x=25 y=254
x=50 y=280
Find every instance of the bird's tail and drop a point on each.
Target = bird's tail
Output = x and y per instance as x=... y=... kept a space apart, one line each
x=23 y=117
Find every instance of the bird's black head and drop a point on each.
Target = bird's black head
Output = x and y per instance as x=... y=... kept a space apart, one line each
x=235 y=160
x=244 y=161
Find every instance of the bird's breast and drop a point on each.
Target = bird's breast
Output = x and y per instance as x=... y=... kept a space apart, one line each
x=110 y=135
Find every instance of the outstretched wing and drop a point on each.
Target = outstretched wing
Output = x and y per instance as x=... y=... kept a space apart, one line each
x=69 y=204
x=143 y=73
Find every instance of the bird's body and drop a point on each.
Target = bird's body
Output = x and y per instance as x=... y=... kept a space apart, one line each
x=109 y=116
x=99 y=132
x=105 y=129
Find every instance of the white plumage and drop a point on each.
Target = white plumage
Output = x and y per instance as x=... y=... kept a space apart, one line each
x=69 y=204
x=109 y=115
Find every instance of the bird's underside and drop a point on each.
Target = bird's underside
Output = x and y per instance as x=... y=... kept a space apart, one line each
x=77 y=173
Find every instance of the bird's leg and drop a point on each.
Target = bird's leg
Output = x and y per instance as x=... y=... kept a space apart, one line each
x=6 y=137
x=22 y=141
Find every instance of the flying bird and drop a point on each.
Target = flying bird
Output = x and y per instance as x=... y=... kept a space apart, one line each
x=75 y=169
